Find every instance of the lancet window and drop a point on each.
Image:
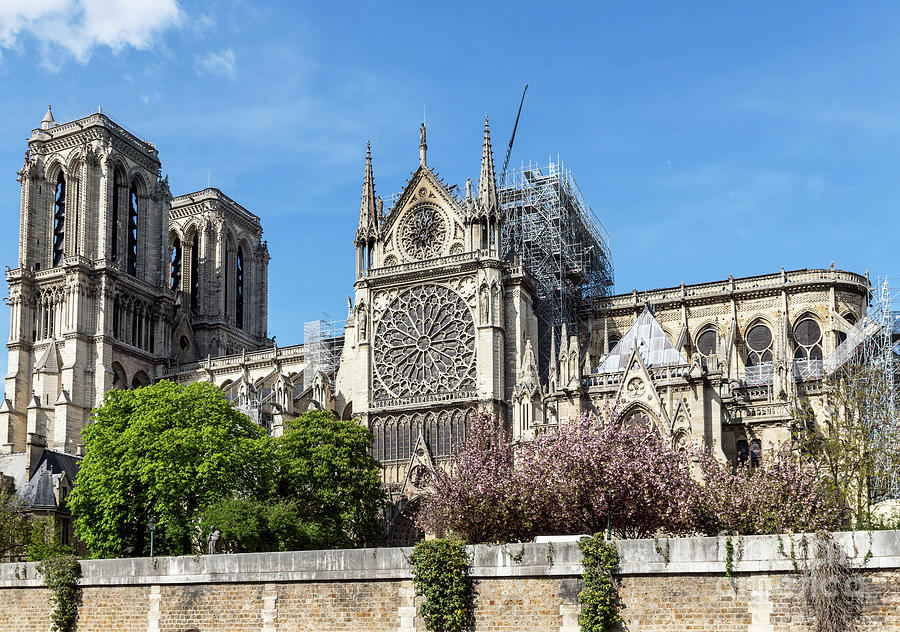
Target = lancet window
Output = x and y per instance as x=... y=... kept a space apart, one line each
x=132 y=231
x=239 y=290
x=176 y=265
x=195 y=272
x=59 y=220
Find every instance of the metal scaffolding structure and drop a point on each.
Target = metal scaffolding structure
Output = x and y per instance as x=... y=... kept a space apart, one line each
x=870 y=355
x=323 y=340
x=550 y=229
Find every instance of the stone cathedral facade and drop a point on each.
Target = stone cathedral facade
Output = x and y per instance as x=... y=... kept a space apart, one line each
x=119 y=284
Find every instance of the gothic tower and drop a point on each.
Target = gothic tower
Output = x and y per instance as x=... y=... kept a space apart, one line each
x=89 y=304
x=219 y=273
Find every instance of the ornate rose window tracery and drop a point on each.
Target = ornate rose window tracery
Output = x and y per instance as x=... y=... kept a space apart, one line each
x=425 y=344
x=423 y=232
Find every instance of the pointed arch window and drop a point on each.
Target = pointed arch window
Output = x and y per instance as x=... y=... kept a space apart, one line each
x=239 y=289
x=59 y=220
x=707 y=342
x=114 y=231
x=132 y=230
x=176 y=265
x=808 y=349
x=195 y=271
x=808 y=338
x=759 y=344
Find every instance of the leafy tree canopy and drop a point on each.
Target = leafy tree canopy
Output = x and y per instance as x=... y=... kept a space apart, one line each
x=163 y=451
x=326 y=469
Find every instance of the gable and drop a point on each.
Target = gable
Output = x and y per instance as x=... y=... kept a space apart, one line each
x=425 y=223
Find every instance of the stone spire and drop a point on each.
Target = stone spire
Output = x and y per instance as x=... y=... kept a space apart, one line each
x=487 y=184
x=47 y=122
x=367 y=207
x=554 y=361
x=423 y=147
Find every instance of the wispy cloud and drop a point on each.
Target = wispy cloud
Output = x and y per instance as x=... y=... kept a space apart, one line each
x=75 y=28
x=222 y=64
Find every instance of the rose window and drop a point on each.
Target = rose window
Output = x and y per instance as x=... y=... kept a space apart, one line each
x=423 y=232
x=425 y=343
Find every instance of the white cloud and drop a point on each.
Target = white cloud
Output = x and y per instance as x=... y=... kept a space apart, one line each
x=222 y=64
x=77 y=27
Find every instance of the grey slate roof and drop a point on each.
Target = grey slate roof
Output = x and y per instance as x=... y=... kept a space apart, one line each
x=39 y=492
x=654 y=346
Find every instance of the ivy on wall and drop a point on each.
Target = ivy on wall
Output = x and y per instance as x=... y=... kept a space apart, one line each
x=440 y=574
x=599 y=599
x=61 y=573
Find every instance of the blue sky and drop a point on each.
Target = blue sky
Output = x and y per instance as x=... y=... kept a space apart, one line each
x=710 y=139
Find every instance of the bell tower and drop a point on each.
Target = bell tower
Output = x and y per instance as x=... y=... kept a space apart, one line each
x=88 y=297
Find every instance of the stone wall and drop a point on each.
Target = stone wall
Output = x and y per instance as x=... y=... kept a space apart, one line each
x=668 y=584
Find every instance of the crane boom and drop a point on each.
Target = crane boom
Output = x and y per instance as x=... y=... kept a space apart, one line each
x=513 y=137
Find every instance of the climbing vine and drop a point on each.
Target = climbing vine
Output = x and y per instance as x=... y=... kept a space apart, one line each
x=599 y=599
x=830 y=587
x=61 y=574
x=440 y=573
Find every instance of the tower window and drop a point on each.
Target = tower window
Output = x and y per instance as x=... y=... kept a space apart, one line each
x=132 y=230
x=239 y=290
x=114 y=235
x=176 y=265
x=59 y=220
x=195 y=272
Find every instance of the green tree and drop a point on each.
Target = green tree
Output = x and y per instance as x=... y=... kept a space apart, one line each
x=327 y=470
x=15 y=529
x=250 y=526
x=853 y=439
x=164 y=451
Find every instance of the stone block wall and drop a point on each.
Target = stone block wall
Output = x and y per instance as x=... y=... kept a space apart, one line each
x=664 y=585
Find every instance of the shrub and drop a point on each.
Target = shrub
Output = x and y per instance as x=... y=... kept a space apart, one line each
x=440 y=573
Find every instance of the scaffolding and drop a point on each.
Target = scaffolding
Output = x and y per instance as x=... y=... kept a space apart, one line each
x=870 y=353
x=554 y=234
x=323 y=340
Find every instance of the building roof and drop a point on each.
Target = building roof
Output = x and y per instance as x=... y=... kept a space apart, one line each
x=653 y=345
x=39 y=492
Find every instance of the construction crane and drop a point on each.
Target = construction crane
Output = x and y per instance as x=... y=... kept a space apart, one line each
x=513 y=137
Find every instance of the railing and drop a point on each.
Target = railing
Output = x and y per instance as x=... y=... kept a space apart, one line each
x=424 y=399
x=281 y=353
x=758 y=375
x=717 y=288
x=656 y=374
x=807 y=370
x=428 y=263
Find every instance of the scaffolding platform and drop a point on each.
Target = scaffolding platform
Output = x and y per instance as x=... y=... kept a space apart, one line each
x=551 y=230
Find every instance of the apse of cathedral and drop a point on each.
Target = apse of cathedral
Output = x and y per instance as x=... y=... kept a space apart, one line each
x=462 y=302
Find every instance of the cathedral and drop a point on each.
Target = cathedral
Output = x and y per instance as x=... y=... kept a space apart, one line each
x=119 y=284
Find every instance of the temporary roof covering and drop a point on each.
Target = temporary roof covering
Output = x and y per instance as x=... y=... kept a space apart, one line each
x=653 y=345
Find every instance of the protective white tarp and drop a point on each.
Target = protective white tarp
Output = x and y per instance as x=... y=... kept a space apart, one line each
x=654 y=346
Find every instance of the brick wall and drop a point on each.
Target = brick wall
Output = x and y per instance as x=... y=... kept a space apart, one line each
x=666 y=585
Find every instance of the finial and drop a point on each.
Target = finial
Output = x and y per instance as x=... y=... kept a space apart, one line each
x=47 y=122
x=423 y=146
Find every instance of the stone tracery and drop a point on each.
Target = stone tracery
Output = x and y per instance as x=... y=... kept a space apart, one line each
x=425 y=344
